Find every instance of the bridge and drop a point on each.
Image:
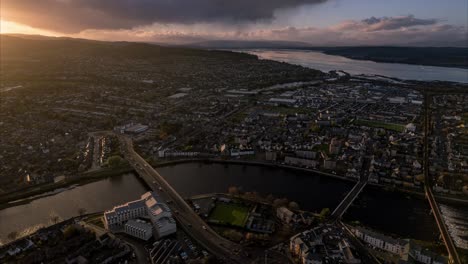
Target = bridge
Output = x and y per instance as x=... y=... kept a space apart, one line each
x=355 y=191
x=451 y=248
x=187 y=219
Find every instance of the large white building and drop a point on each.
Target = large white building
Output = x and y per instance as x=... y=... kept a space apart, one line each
x=160 y=215
x=140 y=229
x=149 y=207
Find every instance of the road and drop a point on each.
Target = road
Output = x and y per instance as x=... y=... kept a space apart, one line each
x=451 y=249
x=187 y=219
x=365 y=254
x=355 y=191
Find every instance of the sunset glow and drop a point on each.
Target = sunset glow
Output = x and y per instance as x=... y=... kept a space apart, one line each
x=8 y=27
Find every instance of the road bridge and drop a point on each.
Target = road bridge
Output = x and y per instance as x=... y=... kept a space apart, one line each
x=187 y=219
x=355 y=191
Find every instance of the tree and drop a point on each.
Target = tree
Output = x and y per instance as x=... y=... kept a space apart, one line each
x=12 y=235
x=81 y=211
x=270 y=198
x=70 y=231
x=293 y=205
x=233 y=235
x=465 y=189
x=233 y=190
x=280 y=202
x=54 y=218
x=209 y=260
x=325 y=213
x=114 y=161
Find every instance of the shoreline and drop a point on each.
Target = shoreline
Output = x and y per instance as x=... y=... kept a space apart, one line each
x=28 y=195
x=417 y=194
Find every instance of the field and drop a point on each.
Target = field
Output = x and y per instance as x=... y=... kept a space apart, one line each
x=229 y=214
x=389 y=126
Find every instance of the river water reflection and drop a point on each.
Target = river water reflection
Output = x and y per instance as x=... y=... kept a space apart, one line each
x=324 y=62
x=389 y=212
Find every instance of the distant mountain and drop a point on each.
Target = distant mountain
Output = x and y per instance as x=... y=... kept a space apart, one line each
x=240 y=44
x=431 y=56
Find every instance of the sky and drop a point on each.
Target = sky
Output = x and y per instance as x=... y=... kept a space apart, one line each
x=317 y=22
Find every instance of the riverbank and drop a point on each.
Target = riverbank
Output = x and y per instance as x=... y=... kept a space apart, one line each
x=413 y=193
x=29 y=194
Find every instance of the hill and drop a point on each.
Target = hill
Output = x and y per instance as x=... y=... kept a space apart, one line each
x=431 y=56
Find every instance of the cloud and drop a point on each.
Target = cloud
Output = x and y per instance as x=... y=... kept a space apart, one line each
x=430 y=35
x=377 y=32
x=391 y=23
x=385 y=23
x=71 y=16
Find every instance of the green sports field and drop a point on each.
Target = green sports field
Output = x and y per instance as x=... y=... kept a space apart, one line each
x=229 y=214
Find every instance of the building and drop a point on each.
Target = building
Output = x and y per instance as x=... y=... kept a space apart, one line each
x=407 y=250
x=335 y=146
x=300 y=162
x=323 y=244
x=148 y=207
x=131 y=128
x=270 y=156
x=285 y=215
x=139 y=229
x=306 y=154
x=282 y=101
x=329 y=164
x=116 y=218
x=160 y=215
x=238 y=152
x=421 y=255
x=386 y=243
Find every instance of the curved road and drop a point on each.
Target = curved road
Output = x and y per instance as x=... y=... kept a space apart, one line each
x=182 y=212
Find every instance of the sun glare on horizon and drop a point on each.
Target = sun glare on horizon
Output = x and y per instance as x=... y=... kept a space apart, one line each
x=8 y=27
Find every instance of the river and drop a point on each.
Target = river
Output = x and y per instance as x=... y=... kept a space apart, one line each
x=389 y=212
x=324 y=62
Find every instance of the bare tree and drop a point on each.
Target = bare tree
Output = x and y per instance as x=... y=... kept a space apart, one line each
x=54 y=218
x=12 y=235
x=81 y=211
x=233 y=190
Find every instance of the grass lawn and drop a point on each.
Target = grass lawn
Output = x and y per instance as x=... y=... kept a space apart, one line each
x=389 y=126
x=229 y=214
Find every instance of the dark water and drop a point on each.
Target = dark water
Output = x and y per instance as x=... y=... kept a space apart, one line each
x=311 y=191
x=93 y=197
x=392 y=213
x=395 y=213
x=388 y=212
